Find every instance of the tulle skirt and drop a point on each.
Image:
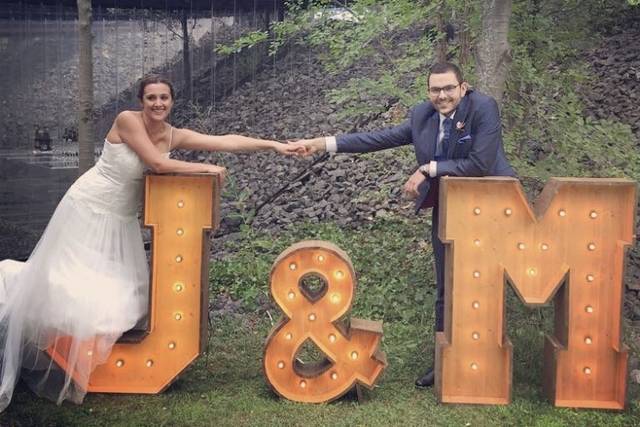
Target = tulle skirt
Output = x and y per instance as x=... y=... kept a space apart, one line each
x=85 y=283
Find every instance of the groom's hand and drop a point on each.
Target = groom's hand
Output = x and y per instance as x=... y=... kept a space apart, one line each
x=411 y=186
x=311 y=146
x=288 y=149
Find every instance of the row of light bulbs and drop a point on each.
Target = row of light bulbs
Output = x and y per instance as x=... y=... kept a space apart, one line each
x=177 y=287
x=149 y=363
x=561 y=212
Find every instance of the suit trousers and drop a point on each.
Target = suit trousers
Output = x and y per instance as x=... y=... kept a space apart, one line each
x=438 y=252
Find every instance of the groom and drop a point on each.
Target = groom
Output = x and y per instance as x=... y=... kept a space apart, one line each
x=456 y=133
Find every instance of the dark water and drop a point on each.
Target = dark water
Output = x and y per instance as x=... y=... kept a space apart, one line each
x=31 y=185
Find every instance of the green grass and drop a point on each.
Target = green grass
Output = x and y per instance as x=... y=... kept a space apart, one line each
x=393 y=264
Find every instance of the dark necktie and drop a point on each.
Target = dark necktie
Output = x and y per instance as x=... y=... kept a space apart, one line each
x=442 y=145
x=447 y=133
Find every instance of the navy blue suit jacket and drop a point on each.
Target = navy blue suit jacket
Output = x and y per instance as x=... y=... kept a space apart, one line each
x=475 y=146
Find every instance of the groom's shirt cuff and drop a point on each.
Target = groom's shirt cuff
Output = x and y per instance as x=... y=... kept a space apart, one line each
x=433 y=169
x=331 y=145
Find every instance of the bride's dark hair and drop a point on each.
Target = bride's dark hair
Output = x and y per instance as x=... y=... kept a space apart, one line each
x=152 y=79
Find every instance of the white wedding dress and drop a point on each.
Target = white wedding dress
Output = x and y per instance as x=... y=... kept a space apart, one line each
x=87 y=279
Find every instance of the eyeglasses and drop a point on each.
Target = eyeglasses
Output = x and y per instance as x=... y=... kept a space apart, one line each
x=448 y=90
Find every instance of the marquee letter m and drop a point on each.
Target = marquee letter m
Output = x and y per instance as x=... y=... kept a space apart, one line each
x=570 y=246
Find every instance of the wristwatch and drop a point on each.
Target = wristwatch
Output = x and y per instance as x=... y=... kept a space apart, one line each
x=424 y=170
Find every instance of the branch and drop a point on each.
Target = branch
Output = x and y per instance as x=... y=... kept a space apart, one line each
x=345 y=7
x=170 y=28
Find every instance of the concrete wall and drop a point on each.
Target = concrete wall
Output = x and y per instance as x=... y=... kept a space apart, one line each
x=39 y=62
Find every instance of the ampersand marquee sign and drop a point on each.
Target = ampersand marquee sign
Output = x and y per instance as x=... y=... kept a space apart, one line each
x=352 y=353
x=180 y=210
x=570 y=247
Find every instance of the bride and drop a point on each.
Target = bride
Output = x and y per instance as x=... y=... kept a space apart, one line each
x=87 y=277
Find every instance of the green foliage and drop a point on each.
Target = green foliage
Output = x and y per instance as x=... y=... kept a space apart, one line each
x=248 y=40
x=385 y=34
x=388 y=35
x=388 y=288
x=547 y=133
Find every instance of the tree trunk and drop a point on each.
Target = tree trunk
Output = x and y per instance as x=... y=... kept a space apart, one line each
x=493 y=54
x=85 y=88
x=186 y=55
x=442 y=44
x=464 y=36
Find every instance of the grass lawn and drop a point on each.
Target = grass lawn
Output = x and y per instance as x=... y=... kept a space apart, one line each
x=393 y=263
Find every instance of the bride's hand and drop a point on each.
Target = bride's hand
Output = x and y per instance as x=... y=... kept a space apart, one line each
x=218 y=170
x=287 y=149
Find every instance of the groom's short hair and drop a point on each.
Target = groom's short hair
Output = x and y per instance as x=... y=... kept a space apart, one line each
x=446 y=67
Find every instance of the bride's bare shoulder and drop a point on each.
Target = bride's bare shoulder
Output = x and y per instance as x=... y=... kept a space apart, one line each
x=128 y=115
x=128 y=119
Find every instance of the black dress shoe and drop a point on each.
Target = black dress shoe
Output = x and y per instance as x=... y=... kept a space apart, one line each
x=426 y=380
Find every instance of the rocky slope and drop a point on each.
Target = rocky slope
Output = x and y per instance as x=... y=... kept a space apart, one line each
x=287 y=102
x=614 y=93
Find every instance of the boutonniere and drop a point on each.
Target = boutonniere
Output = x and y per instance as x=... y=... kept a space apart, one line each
x=460 y=125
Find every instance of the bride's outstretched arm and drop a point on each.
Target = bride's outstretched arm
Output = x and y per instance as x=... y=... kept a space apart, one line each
x=191 y=140
x=131 y=131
